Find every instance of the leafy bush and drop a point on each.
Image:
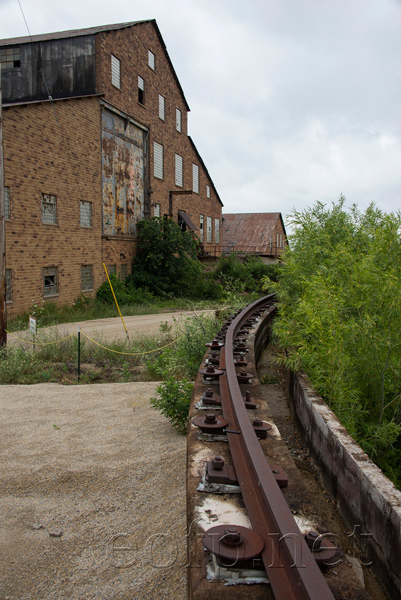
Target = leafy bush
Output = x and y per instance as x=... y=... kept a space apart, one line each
x=125 y=291
x=166 y=258
x=340 y=319
x=246 y=273
x=173 y=401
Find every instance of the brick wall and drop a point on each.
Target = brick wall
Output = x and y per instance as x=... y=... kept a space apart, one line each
x=52 y=150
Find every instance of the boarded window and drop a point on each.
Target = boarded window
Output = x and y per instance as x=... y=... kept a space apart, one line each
x=201 y=229
x=151 y=60
x=141 y=90
x=10 y=58
x=7 y=203
x=216 y=231
x=158 y=160
x=85 y=214
x=86 y=278
x=115 y=72
x=112 y=269
x=161 y=107
x=49 y=209
x=178 y=170
x=9 y=296
x=156 y=210
x=50 y=281
x=209 y=231
x=208 y=191
x=123 y=271
x=178 y=119
x=195 y=179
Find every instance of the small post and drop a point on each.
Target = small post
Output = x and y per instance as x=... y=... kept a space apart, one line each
x=79 y=353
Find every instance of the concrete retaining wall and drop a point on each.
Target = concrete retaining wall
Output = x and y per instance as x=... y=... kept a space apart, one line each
x=368 y=501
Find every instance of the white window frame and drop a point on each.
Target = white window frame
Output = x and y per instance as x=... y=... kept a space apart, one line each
x=86 y=278
x=178 y=120
x=162 y=108
x=50 y=281
x=151 y=60
x=7 y=203
x=141 y=90
x=49 y=209
x=179 y=170
x=85 y=214
x=158 y=166
x=156 y=210
x=201 y=228
x=209 y=230
x=195 y=178
x=115 y=72
x=217 y=231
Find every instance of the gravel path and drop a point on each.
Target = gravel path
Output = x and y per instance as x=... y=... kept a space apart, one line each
x=92 y=495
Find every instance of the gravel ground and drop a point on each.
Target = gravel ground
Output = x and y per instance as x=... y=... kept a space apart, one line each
x=92 y=495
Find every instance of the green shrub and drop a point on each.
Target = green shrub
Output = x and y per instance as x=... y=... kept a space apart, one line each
x=173 y=401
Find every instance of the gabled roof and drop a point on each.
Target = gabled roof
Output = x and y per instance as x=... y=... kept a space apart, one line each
x=250 y=232
x=45 y=37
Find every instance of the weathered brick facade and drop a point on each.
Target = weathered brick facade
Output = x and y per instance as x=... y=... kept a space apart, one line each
x=92 y=149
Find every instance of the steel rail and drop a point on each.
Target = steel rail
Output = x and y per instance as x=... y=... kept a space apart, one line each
x=290 y=566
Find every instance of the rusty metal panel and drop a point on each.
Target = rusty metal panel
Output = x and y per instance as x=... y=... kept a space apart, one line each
x=252 y=232
x=122 y=174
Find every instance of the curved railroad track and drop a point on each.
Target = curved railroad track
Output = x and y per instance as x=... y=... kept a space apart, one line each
x=266 y=546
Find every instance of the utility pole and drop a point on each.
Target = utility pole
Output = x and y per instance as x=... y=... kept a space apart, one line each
x=3 y=312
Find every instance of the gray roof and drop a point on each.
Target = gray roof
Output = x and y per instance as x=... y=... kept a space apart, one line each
x=58 y=35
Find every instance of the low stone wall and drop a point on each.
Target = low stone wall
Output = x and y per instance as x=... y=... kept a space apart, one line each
x=368 y=501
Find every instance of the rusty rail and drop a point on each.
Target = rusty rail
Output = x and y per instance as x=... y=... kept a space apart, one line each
x=290 y=566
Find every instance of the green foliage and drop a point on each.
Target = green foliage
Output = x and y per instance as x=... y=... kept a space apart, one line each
x=246 y=274
x=340 y=319
x=183 y=359
x=173 y=400
x=166 y=259
x=125 y=292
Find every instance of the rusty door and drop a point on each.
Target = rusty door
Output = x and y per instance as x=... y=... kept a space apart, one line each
x=123 y=174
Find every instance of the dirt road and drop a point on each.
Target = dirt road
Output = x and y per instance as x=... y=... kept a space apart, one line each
x=92 y=495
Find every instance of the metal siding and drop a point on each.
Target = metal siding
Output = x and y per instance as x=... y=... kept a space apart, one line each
x=122 y=175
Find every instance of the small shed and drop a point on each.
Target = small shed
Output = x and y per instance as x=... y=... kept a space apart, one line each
x=261 y=234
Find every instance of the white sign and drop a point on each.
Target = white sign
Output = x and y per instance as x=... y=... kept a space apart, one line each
x=32 y=325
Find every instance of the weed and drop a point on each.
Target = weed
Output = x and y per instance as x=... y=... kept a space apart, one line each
x=173 y=400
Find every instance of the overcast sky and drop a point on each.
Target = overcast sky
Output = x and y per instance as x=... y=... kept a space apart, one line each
x=291 y=101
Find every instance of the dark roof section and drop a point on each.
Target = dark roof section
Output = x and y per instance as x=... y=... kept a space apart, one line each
x=187 y=220
x=205 y=169
x=250 y=232
x=92 y=31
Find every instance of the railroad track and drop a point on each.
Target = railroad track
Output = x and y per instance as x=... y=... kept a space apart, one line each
x=270 y=547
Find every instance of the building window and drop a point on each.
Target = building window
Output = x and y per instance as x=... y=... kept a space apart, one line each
x=178 y=170
x=112 y=269
x=8 y=286
x=201 y=228
x=195 y=179
x=158 y=160
x=86 y=278
x=209 y=231
x=161 y=107
x=151 y=60
x=10 y=58
x=85 y=213
x=49 y=209
x=115 y=72
x=208 y=191
x=216 y=231
x=178 y=120
x=123 y=271
x=141 y=90
x=7 y=203
x=156 y=210
x=50 y=281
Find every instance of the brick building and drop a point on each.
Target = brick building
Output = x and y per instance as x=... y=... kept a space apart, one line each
x=95 y=139
x=262 y=234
